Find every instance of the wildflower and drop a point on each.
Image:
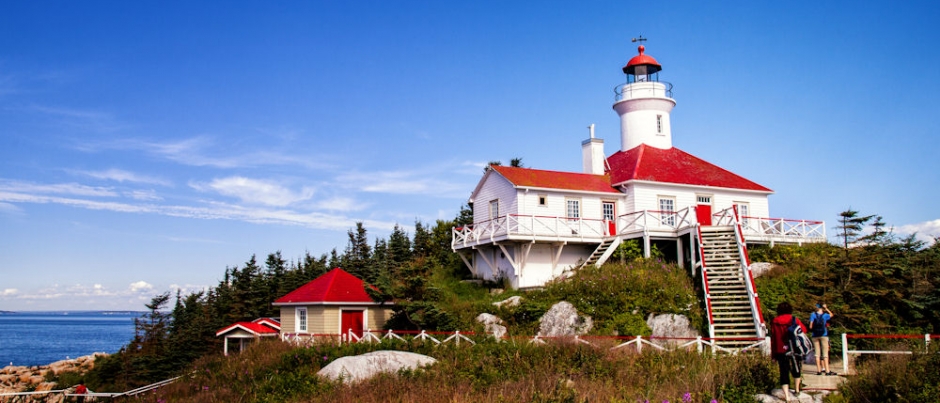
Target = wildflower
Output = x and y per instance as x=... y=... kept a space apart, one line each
x=714 y=401
x=687 y=397
x=324 y=358
x=205 y=388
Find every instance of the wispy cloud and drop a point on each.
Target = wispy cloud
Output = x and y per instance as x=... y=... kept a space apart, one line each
x=84 y=119
x=11 y=209
x=926 y=231
x=143 y=195
x=214 y=210
x=255 y=191
x=199 y=151
x=119 y=175
x=404 y=182
x=341 y=204
x=9 y=292
x=72 y=189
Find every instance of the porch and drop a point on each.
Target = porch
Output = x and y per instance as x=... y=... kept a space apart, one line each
x=647 y=224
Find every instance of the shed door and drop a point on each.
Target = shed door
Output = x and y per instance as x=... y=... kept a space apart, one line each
x=352 y=320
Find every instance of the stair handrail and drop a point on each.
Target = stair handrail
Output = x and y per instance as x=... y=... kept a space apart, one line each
x=748 y=275
x=705 y=289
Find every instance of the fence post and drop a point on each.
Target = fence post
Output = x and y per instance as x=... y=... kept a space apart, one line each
x=845 y=354
x=768 y=349
x=698 y=343
x=927 y=343
x=639 y=344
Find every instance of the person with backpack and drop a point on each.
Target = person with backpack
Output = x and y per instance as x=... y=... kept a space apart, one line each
x=819 y=328
x=788 y=346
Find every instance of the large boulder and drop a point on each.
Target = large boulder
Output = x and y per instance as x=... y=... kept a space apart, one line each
x=493 y=324
x=360 y=367
x=760 y=268
x=563 y=320
x=670 y=326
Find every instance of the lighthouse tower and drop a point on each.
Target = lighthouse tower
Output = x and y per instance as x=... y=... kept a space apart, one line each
x=644 y=103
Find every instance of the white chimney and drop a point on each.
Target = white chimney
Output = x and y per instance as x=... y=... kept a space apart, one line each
x=592 y=154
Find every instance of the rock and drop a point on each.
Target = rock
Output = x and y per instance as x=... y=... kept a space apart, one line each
x=360 y=367
x=671 y=325
x=496 y=291
x=759 y=268
x=492 y=324
x=511 y=301
x=562 y=320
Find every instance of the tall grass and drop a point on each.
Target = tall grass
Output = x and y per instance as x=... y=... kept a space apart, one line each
x=518 y=371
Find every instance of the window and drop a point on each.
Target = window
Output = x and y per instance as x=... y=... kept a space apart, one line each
x=667 y=209
x=703 y=199
x=494 y=209
x=743 y=212
x=659 y=124
x=608 y=210
x=301 y=320
x=574 y=208
x=543 y=200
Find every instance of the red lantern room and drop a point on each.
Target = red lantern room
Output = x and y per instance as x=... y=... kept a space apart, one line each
x=642 y=67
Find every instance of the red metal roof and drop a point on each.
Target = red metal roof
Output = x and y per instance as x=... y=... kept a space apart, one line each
x=642 y=59
x=673 y=166
x=251 y=327
x=537 y=178
x=335 y=286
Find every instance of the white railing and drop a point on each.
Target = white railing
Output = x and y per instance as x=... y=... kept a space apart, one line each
x=846 y=351
x=534 y=227
x=647 y=220
x=69 y=392
x=777 y=229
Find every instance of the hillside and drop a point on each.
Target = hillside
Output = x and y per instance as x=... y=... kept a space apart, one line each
x=888 y=286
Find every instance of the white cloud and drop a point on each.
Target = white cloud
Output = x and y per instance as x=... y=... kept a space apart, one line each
x=119 y=175
x=926 y=231
x=9 y=292
x=140 y=286
x=256 y=191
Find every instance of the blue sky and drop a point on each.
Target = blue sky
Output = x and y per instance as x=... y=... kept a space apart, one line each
x=145 y=146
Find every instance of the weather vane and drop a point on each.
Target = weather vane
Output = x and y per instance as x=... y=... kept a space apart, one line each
x=640 y=39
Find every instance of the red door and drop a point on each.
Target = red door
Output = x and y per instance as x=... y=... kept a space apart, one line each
x=352 y=320
x=703 y=212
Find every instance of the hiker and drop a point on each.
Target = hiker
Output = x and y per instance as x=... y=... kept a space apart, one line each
x=819 y=328
x=81 y=390
x=782 y=328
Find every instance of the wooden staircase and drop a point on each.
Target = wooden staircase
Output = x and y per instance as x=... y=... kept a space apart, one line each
x=731 y=312
x=603 y=252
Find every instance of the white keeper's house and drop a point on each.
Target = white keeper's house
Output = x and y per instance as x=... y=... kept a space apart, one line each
x=531 y=226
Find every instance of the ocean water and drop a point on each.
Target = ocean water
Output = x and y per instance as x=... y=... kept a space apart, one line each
x=39 y=338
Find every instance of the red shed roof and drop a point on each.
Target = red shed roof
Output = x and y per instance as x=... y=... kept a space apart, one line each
x=336 y=286
x=537 y=178
x=673 y=166
x=254 y=328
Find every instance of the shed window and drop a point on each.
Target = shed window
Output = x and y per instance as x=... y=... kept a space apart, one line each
x=301 y=320
x=494 y=209
x=543 y=200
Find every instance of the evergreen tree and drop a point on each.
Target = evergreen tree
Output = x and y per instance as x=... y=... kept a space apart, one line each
x=358 y=256
x=850 y=226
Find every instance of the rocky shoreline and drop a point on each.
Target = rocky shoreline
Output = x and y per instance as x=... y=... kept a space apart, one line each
x=15 y=378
